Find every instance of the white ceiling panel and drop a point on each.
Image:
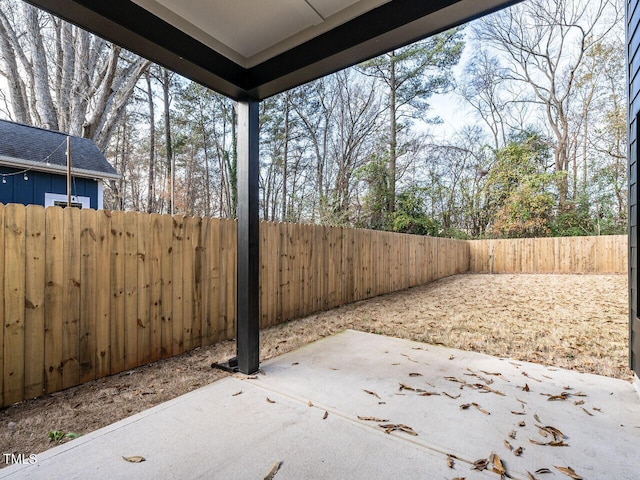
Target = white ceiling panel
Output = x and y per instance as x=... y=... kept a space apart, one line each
x=326 y=8
x=244 y=26
x=250 y=31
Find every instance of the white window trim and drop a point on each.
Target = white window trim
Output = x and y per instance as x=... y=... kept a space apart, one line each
x=100 y=195
x=50 y=200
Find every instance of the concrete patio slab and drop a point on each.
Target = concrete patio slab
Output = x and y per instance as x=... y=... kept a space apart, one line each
x=311 y=410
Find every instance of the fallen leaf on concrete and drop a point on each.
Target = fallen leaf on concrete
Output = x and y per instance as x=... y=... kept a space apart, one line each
x=237 y=393
x=569 y=472
x=579 y=402
x=326 y=414
x=537 y=418
x=404 y=386
x=522 y=424
x=508 y=445
x=562 y=396
x=555 y=432
x=478 y=407
x=135 y=459
x=454 y=379
x=372 y=419
x=480 y=464
x=540 y=471
x=530 y=476
x=415 y=374
x=452 y=396
x=309 y=403
x=518 y=413
x=587 y=412
x=532 y=378
x=465 y=406
x=391 y=427
x=270 y=401
x=428 y=394
x=552 y=443
x=273 y=471
x=449 y=461
x=521 y=401
x=525 y=388
x=485 y=389
x=498 y=467
x=409 y=358
x=597 y=409
x=371 y=393
x=518 y=451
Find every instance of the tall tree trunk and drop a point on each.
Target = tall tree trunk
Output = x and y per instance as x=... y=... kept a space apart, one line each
x=152 y=145
x=17 y=88
x=44 y=101
x=285 y=157
x=393 y=133
x=166 y=83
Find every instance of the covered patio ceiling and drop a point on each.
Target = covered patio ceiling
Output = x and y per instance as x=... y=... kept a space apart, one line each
x=252 y=49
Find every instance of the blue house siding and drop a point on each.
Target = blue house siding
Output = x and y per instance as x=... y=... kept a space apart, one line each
x=31 y=191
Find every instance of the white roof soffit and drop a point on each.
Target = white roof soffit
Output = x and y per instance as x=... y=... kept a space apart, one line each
x=257 y=48
x=252 y=31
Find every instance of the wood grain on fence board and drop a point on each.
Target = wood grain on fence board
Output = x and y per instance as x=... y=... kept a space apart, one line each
x=34 y=302
x=14 y=288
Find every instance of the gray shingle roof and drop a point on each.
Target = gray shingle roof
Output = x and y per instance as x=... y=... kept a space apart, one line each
x=40 y=149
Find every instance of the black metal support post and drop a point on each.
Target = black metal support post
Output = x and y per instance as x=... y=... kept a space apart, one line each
x=248 y=260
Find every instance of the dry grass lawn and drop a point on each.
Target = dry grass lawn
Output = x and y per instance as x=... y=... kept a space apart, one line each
x=572 y=321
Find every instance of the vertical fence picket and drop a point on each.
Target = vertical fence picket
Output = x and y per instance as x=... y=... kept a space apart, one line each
x=34 y=302
x=88 y=293
x=53 y=298
x=117 y=307
x=177 y=341
x=204 y=282
x=71 y=324
x=153 y=258
x=213 y=267
x=188 y=286
x=103 y=291
x=131 y=325
x=14 y=317
x=143 y=288
x=165 y=238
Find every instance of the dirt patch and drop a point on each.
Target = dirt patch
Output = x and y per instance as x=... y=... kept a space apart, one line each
x=578 y=322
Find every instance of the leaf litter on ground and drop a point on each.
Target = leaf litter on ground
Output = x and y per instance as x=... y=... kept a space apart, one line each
x=392 y=427
x=134 y=459
x=570 y=472
x=274 y=469
x=374 y=394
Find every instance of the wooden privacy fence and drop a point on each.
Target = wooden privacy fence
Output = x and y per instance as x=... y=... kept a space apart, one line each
x=91 y=293
x=602 y=254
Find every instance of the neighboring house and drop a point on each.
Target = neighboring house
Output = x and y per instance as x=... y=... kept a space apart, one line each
x=33 y=168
